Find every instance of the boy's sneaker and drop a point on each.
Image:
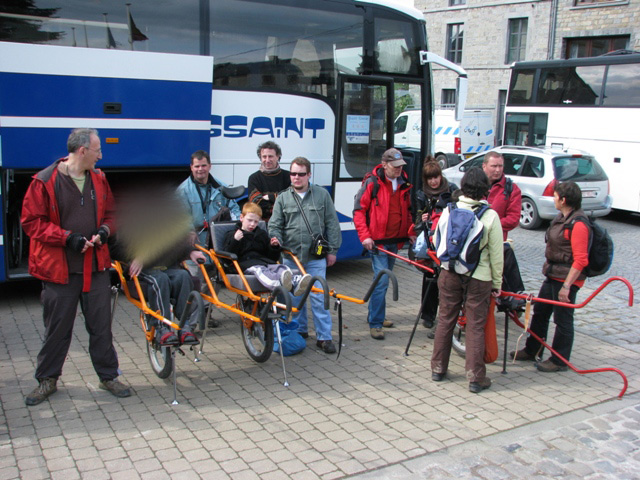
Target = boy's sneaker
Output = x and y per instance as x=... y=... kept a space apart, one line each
x=166 y=337
x=301 y=283
x=187 y=337
x=286 y=280
x=116 y=388
x=46 y=386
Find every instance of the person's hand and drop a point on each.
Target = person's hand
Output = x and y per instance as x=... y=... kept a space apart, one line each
x=238 y=235
x=331 y=259
x=412 y=239
x=100 y=237
x=135 y=268
x=495 y=293
x=425 y=217
x=78 y=243
x=197 y=257
x=563 y=295
x=275 y=242
x=368 y=243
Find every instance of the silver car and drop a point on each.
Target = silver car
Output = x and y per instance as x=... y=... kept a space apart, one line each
x=537 y=169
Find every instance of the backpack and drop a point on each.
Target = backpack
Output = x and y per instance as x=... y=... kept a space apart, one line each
x=600 y=247
x=458 y=239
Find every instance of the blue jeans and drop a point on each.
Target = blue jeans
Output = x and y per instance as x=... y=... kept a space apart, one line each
x=321 y=317
x=378 y=299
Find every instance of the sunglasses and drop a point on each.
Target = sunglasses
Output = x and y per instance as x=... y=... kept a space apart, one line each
x=298 y=174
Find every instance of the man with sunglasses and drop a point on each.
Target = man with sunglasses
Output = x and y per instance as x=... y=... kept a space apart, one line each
x=300 y=205
x=382 y=215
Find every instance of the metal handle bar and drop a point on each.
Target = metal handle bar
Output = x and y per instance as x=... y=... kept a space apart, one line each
x=572 y=305
x=394 y=282
x=324 y=291
x=405 y=259
x=278 y=292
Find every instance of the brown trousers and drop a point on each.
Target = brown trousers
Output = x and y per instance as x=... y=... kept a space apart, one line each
x=475 y=294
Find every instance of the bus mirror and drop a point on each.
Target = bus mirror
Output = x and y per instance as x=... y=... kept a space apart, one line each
x=461 y=96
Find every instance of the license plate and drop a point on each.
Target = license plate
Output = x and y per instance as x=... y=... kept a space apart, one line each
x=589 y=194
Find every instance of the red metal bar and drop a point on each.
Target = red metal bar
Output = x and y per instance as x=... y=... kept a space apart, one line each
x=411 y=262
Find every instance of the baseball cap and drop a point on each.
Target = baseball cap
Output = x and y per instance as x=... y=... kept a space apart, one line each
x=393 y=156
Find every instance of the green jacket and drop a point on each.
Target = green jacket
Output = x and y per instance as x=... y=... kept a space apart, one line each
x=288 y=226
x=491 y=262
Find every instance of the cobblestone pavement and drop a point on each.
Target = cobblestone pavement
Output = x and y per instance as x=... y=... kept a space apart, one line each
x=373 y=413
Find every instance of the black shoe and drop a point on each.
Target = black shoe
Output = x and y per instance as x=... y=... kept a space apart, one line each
x=437 y=377
x=46 y=386
x=477 y=387
x=304 y=335
x=213 y=323
x=327 y=346
x=428 y=322
x=116 y=388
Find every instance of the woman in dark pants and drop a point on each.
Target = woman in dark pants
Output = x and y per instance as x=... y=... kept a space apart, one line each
x=474 y=289
x=566 y=256
x=430 y=201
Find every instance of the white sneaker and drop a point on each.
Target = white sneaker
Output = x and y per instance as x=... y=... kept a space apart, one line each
x=286 y=280
x=301 y=283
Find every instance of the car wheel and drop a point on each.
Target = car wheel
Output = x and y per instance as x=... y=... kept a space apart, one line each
x=442 y=160
x=529 y=218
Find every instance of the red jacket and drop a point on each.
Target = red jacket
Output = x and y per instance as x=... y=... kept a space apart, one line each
x=41 y=222
x=507 y=208
x=370 y=216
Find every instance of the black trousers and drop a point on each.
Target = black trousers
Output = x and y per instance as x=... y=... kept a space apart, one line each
x=60 y=305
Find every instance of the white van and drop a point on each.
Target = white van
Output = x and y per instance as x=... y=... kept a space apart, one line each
x=452 y=141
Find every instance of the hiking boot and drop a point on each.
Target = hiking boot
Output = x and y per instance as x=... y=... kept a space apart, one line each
x=387 y=323
x=286 y=279
x=437 y=377
x=377 y=333
x=166 y=337
x=301 y=283
x=428 y=322
x=522 y=355
x=477 y=387
x=548 y=366
x=117 y=388
x=46 y=386
x=327 y=346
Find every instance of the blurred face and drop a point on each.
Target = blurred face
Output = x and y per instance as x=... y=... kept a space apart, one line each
x=390 y=171
x=558 y=202
x=299 y=178
x=249 y=221
x=200 y=169
x=92 y=154
x=434 y=182
x=493 y=168
x=268 y=158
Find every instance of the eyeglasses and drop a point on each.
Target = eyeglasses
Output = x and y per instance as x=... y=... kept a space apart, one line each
x=97 y=150
x=298 y=174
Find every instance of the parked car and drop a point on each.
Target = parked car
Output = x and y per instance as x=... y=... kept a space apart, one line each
x=537 y=169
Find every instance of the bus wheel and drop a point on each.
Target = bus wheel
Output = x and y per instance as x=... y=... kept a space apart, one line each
x=529 y=218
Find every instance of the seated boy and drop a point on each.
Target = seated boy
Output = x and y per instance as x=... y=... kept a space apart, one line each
x=257 y=254
x=153 y=238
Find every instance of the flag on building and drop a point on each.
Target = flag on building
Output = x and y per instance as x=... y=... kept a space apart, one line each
x=136 y=34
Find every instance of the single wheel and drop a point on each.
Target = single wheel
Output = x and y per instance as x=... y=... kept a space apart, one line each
x=16 y=242
x=256 y=336
x=529 y=218
x=159 y=357
x=442 y=160
x=458 y=341
x=194 y=311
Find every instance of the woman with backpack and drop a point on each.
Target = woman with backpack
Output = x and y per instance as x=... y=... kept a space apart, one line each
x=567 y=255
x=473 y=288
x=430 y=202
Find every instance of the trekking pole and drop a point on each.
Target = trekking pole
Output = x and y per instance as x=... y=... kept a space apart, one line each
x=415 y=325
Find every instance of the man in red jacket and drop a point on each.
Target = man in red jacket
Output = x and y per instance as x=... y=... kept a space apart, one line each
x=382 y=213
x=68 y=214
x=506 y=203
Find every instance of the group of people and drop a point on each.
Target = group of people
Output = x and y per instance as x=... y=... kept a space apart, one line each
x=69 y=214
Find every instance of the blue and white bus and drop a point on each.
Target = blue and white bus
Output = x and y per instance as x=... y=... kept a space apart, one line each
x=591 y=104
x=162 y=78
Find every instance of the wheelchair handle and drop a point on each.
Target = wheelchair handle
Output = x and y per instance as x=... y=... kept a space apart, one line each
x=394 y=282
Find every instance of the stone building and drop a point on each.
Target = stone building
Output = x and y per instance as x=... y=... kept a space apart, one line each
x=486 y=36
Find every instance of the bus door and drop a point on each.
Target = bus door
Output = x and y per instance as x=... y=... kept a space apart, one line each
x=364 y=130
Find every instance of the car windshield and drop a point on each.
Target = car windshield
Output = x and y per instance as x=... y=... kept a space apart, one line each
x=578 y=169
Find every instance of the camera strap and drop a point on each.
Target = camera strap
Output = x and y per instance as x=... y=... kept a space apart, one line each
x=304 y=217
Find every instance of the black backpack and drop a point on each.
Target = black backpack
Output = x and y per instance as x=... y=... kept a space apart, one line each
x=600 y=247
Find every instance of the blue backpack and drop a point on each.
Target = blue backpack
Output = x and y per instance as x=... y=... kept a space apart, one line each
x=458 y=239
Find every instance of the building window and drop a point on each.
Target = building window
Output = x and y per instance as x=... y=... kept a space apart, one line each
x=578 y=3
x=594 y=46
x=455 y=3
x=448 y=97
x=517 y=39
x=454 y=42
